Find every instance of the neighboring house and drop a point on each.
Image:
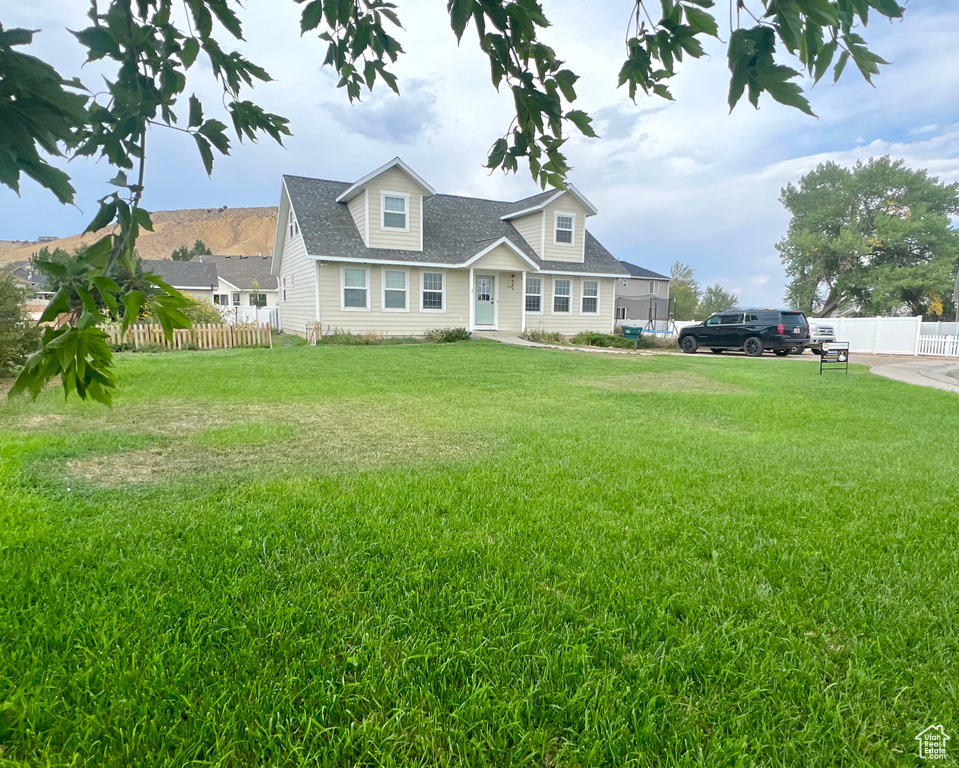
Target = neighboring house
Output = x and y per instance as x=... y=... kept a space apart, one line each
x=236 y=281
x=34 y=283
x=30 y=279
x=642 y=298
x=386 y=254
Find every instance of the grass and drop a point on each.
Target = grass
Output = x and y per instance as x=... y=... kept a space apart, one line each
x=472 y=554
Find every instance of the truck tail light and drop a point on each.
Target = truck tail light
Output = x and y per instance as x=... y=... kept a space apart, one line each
x=782 y=328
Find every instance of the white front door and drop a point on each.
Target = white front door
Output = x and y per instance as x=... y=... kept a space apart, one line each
x=484 y=300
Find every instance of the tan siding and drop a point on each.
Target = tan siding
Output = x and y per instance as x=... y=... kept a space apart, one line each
x=509 y=306
x=531 y=229
x=501 y=258
x=299 y=308
x=358 y=211
x=566 y=204
x=390 y=323
x=575 y=322
x=395 y=180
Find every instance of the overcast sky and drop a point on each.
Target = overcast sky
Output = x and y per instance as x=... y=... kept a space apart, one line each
x=672 y=181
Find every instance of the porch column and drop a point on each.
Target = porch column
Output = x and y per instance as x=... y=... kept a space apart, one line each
x=522 y=299
x=472 y=303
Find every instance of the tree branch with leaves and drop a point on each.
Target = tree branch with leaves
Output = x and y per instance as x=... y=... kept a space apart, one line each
x=153 y=46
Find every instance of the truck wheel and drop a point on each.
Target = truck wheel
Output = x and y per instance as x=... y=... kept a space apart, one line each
x=689 y=345
x=780 y=352
x=753 y=346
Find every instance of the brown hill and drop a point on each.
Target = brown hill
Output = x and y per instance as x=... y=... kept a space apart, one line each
x=233 y=231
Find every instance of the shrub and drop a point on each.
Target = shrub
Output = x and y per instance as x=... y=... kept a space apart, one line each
x=19 y=335
x=543 y=337
x=368 y=339
x=592 y=339
x=446 y=335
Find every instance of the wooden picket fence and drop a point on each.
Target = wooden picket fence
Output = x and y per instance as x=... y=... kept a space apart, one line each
x=314 y=333
x=203 y=336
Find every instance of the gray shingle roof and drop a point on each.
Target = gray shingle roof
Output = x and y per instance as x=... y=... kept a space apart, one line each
x=241 y=271
x=456 y=229
x=183 y=274
x=528 y=202
x=642 y=272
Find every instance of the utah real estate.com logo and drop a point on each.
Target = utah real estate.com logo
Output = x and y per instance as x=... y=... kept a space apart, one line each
x=932 y=743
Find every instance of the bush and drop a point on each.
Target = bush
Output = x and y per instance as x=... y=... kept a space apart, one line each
x=446 y=335
x=19 y=335
x=368 y=339
x=591 y=339
x=543 y=337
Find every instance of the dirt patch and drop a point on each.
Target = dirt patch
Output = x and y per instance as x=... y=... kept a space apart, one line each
x=324 y=439
x=665 y=381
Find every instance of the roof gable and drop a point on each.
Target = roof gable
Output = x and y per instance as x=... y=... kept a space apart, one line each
x=635 y=271
x=354 y=189
x=540 y=201
x=455 y=230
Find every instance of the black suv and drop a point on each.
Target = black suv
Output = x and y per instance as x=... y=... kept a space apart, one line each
x=752 y=330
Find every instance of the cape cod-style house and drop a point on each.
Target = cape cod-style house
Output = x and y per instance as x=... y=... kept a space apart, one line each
x=387 y=254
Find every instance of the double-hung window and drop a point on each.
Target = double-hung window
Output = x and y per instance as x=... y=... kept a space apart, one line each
x=561 y=296
x=236 y=299
x=394 y=290
x=534 y=294
x=590 y=303
x=564 y=229
x=355 y=288
x=257 y=299
x=394 y=212
x=433 y=291
x=620 y=313
x=653 y=287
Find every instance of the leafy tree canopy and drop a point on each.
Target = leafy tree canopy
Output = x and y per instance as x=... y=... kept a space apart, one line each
x=154 y=52
x=715 y=299
x=185 y=254
x=18 y=333
x=684 y=290
x=875 y=238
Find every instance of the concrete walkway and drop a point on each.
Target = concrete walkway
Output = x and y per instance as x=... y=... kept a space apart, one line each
x=516 y=341
x=928 y=372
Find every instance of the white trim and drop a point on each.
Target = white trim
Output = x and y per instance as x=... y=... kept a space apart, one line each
x=472 y=301
x=542 y=284
x=552 y=296
x=394 y=163
x=587 y=275
x=284 y=196
x=192 y=287
x=502 y=241
x=593 y=210
x=421 y=222
x=583 y=297
x=343 y=306
x=423 y=273
x=494 y=297
x=406 y=274
x=571 y=230
x=366 y=214
x=522 y=306
x=236 y=287
x=405 y=196
x=541 y=206
x=316 y=284
x=542 y=237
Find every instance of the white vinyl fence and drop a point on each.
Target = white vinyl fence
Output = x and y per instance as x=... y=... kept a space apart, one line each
x=879 y=335
x=943 y=346
x=246 y=315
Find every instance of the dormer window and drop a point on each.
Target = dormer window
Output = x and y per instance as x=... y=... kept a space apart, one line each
x=395 y=213
x=564 y=228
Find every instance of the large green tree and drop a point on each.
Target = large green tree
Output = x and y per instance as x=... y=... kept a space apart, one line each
x=875 y=238
x=715 y=299
x=154 y=53
x=18 y=332
x=684 y=290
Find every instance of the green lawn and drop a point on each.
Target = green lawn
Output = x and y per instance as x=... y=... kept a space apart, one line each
x=472 y=554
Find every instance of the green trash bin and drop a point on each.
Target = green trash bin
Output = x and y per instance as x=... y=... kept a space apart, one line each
x=632 y=332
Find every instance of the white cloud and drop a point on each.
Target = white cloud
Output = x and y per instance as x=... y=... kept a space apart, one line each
x=673 y=181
